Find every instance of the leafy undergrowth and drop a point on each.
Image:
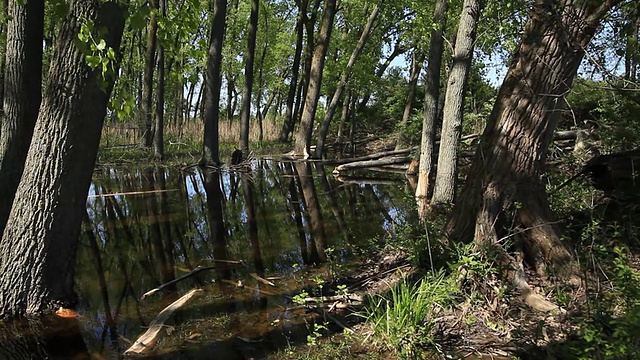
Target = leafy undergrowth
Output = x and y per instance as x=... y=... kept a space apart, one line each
x=465 y=309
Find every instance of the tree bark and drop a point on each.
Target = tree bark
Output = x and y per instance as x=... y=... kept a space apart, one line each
x=38 y=247
x=504 y=187
x=210 y=143
x=444 y=190
x=417 y=58
x=158 y=142
x=287 y=127
x=245 y=111
x=22 y=82
x=432 y=93
x=344 y=78
x=303 y=135
x=149 y=67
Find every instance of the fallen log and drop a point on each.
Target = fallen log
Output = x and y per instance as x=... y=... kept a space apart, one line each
x=371 y=163
x=375 y=156
x=174 y=281
x=145 y=341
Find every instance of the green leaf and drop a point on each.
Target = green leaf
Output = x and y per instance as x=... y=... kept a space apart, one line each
x=101 y=45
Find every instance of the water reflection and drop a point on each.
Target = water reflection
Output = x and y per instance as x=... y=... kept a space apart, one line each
x=285 y=222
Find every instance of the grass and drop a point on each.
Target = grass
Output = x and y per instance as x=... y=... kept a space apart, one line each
x=120 y=141
x=402 y=319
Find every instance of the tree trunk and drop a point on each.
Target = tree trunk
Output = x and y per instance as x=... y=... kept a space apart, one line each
x=417 y=58
x=346 y=74
x=210 y=143
x=432 y=93
x=38 y=247
x=287 y=127
x=3 y=55
x=504 y=188
x=303 y=135
x=158 y=143
x=23 y=79
x=445 y=184
x=245 y=111
x=149 y=66
x=398 y=50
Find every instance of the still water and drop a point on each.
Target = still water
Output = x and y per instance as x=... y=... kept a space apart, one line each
x=291 y=224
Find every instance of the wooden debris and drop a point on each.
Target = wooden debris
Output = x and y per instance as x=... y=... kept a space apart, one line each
x=130 y=193
x=145 y=341
x=262 y=280
x=183 y=277
x=371 y=163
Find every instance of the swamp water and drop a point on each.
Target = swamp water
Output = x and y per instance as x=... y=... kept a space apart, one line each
x=288 y=223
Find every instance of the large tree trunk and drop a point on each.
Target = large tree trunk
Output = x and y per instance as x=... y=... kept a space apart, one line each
x=38 y=247
x=445 y=185
x=432 y=93
x=287 y=127
x=210 y=143
x=245 y=111
x=3 y=51
x=23 y=78
x=303 y=135
x=504 y=188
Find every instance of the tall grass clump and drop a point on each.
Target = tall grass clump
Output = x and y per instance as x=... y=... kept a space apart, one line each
x=402 y=319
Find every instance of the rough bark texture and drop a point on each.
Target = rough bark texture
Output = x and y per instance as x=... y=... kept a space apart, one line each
x=445 y=185
x=303 y=135
x=149 y=67
x=504 y=187
x=344 y=78
x=23 y=78
x=432 y=92
x=210 y=143
x=249 y=57
x=38 y=247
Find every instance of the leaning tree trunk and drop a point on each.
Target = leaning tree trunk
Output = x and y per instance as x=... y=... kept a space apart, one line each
x=38 y=247
x=504 y=188
x=289 y=119
x=417 y=58
x=303 y=135
x=446 y=175
x=344 y=78
x=249 y=57
x=210 y=143
x=23 y=78
x=432 y=93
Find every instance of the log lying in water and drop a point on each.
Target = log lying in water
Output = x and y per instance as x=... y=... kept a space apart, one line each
x=145 y=341
x=371 y=163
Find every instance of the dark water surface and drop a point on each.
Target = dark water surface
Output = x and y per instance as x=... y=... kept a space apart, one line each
x=291 y=223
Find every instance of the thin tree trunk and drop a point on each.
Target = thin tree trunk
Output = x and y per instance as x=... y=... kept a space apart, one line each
x=147 y=88
x=431 y=98
x=346 y=74
x=23 y=71
x=158 y=144
x=245 y=111
x=417 y=58
x=210 y=143
x=398 y=50
x=303 y=135
x=444 y=190
x=38 y=247
x=289 y=120
x=504 y=188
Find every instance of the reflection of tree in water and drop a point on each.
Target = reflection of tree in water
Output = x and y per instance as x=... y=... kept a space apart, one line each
x=314 y=213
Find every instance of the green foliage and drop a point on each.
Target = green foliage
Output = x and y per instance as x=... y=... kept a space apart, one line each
x=403 y=318
x=611 y=331
x=97 y=53
x=613 y=107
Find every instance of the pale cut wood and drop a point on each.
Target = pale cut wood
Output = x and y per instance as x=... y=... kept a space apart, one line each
x=131 y=193
x=145 y=341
